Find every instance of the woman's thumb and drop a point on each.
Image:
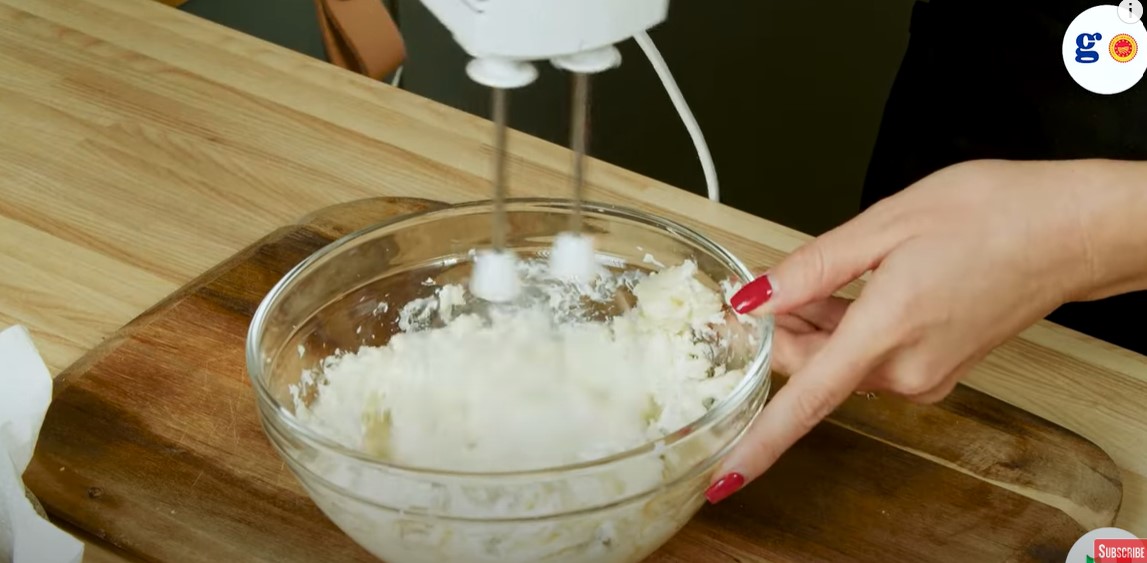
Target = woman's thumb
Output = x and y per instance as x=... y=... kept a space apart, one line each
x=813 y=272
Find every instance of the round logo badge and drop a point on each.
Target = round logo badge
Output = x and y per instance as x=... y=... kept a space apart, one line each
x=1123 y=47
x=1100 y=49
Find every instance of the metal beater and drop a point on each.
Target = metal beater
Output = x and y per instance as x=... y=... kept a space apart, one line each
x=495 y=275
x=573 y=257
x=505 y=38
x=579 y=141
x=498 y=236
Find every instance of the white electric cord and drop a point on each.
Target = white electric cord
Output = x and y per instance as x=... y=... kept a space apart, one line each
x=655 y=59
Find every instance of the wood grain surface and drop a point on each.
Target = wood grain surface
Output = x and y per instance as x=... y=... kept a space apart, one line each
x=153 y=445
x=141 y=146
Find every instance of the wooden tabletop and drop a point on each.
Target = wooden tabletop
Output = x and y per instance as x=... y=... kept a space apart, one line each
x=139 y=146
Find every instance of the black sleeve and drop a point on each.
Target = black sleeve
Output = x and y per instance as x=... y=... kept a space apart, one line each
x=986 y=79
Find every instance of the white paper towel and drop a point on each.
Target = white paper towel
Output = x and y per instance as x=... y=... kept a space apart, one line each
x=25 y=391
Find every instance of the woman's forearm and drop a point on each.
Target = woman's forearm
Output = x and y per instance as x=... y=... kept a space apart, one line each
x=1111 y=197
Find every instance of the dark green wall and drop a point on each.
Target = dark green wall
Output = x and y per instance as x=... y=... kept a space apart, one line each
x=290 y=23
x=789 y=94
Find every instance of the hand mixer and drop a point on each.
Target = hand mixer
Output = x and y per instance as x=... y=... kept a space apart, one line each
x=504 y=39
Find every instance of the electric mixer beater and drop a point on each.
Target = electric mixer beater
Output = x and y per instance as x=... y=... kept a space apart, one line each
x=579 y=141
x=495 y=275
x=504 y=37
x=572 y=257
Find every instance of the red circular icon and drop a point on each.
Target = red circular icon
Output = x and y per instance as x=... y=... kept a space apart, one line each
x=1123 y=47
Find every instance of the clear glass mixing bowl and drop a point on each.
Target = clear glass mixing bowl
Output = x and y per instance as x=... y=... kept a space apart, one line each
x=616 y=509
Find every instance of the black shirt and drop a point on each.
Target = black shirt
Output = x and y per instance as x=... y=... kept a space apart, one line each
x=985 y=79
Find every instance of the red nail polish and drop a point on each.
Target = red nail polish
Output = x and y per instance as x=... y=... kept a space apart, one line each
x=724 y=487
x=756 y=293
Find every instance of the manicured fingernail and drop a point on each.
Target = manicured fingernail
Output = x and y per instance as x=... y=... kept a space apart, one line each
x=724 y=487
x=756 y=293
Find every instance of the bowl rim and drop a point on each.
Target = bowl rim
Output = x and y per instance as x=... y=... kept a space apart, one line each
x=757 y=372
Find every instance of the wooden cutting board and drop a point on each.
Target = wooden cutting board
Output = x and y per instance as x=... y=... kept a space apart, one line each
x=152 y=446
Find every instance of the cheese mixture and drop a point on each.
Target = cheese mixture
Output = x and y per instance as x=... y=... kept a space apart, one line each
x=527 y=387
x=568 y=373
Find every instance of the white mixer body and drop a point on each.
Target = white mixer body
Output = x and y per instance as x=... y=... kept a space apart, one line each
x=533 y=30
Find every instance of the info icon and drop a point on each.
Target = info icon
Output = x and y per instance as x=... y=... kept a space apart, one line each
x=1101 y=49
x=1130 y=11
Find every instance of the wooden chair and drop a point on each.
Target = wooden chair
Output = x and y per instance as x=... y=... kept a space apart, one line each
x=360 y=35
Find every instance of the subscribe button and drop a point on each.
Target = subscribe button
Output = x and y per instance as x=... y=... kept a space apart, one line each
x=1120 y=551
x=1108 y=545
x=1101 y=47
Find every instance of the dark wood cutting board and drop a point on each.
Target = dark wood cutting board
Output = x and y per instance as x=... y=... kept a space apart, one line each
x=152 y=445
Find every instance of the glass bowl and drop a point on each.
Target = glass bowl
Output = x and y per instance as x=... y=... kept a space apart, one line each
x=618 y=509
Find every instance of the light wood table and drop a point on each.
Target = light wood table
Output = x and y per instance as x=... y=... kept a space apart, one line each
x=139 y=146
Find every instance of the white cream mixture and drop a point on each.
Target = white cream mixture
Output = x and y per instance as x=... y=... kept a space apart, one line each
x=524 y=388
x=527 y=388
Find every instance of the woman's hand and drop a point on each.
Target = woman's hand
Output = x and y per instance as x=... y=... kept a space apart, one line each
x=959 y=262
